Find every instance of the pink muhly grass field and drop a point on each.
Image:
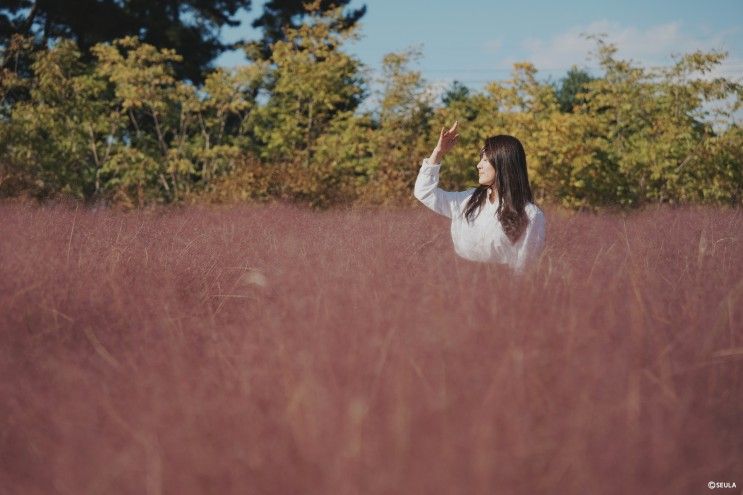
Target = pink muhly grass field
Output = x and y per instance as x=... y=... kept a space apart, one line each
x=279 y=350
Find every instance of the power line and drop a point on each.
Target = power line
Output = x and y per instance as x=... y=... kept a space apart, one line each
x=567 y=68
x=550 y=69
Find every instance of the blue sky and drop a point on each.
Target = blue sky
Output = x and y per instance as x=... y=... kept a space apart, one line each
x=475 y=41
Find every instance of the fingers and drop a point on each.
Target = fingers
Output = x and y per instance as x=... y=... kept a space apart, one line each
x=449 y=141
x=451 y=131
x=448 y=137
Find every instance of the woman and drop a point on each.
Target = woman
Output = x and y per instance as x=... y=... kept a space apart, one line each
x=510 y=233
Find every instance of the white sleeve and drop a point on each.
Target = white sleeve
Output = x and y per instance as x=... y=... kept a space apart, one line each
x=534 y=242
x=427 y=191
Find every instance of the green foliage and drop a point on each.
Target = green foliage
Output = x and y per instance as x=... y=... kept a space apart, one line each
x=280 y=14
x=401 y=136
x=569 y=90
x=125 y=128
x=186 y=26
x=50 y=142
x=184 y=132
x=646 y=129
x=456 y=92
x=313 y=82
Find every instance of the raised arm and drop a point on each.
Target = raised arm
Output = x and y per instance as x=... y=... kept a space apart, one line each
x=427 y=191
x=426 y=184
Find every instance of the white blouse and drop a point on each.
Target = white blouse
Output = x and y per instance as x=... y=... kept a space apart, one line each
x=484 y=239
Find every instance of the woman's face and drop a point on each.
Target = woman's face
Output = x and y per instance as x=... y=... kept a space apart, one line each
x=486 y=172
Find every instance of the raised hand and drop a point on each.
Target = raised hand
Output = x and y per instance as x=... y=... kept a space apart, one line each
x=447 y=140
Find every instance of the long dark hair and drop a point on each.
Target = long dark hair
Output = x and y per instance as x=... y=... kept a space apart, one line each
x=506 y=155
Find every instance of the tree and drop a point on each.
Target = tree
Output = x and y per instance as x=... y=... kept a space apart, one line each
x=51 y=143
x=403 y=128
x=186 y=26
x=278 y=15
x=648 y=135
x=574 y=83
x=123 y=127
x=314 y=80
x=456 y=92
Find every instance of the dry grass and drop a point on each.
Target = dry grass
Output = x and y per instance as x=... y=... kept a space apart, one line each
x=278 y=350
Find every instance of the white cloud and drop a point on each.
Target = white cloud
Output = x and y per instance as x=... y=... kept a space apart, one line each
x=435 y=89
x=493 y=46
x=652 y=46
